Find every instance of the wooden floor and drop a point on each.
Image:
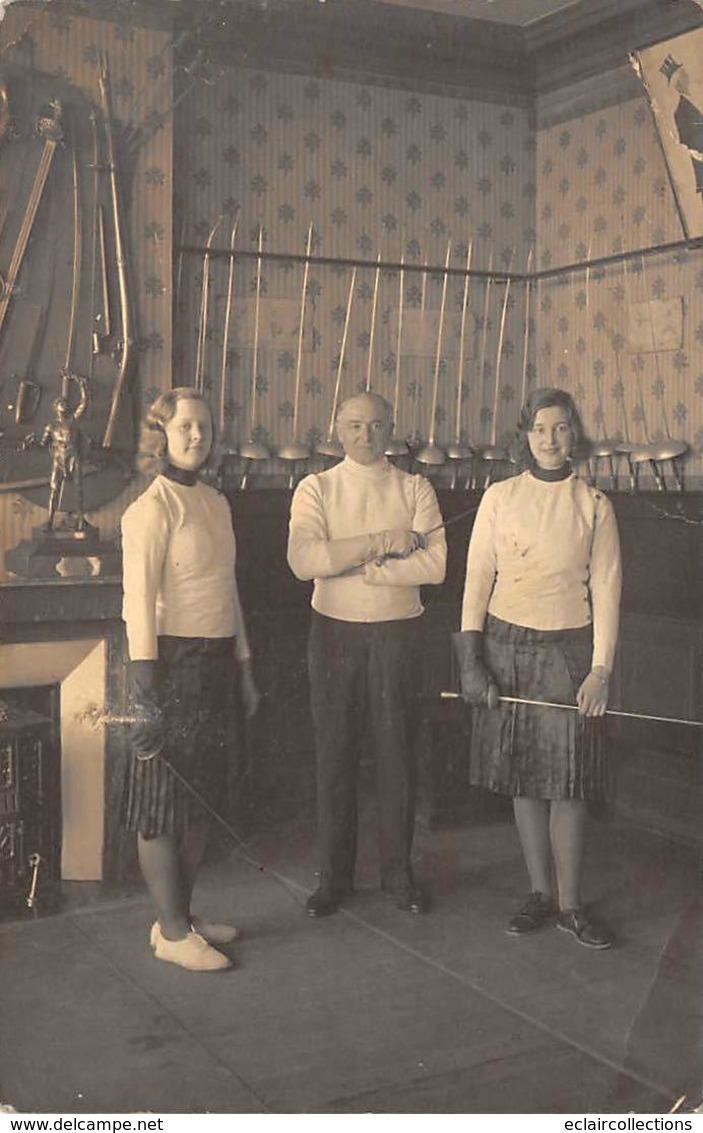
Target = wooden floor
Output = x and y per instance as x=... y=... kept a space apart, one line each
x=371 y=1010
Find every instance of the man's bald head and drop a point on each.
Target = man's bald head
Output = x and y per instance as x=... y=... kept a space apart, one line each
x=364 y=425
x=378 y=404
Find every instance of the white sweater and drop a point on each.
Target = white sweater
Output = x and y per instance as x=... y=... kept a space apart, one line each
x=546 y=555
x=353 y=499
x=179 y=577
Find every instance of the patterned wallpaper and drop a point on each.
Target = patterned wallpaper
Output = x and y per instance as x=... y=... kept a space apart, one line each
x=375 y=171
x=140 y=66
x=603 y=189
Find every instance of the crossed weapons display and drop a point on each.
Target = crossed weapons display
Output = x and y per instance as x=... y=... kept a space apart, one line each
x=110 y=332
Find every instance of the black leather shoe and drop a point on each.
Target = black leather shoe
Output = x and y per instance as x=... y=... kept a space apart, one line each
x=589 y=932
x=322 y=903
x=538 y=911
x=412 y=901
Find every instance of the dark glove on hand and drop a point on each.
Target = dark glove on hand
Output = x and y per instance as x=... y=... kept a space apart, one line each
x=477 y=684
x=147 y=735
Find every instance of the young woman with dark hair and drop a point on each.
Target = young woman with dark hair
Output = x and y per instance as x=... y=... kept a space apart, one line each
x=540 y=622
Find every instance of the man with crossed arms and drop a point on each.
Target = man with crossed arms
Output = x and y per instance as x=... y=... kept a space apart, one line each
x=358 y=531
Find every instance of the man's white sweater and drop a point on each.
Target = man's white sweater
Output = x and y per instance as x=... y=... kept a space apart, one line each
x=353 y=499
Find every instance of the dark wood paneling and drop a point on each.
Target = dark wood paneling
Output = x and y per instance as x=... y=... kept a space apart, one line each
x=261 y=523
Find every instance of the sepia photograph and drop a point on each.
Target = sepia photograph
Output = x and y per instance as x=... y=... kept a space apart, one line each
x=351 y=470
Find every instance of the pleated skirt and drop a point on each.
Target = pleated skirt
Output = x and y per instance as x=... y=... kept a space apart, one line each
x=198 y=699
x=534 y=752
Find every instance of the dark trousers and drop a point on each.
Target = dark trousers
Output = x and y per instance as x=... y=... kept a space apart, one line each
x=364 y=681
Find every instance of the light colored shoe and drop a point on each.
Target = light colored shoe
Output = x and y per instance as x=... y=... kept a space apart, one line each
x=192 y=952
x=215 y=933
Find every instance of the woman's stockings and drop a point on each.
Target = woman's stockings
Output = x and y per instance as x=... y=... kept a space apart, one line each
x=532 y=821
x=553 y=830
x=160 y=864
x=567 y=825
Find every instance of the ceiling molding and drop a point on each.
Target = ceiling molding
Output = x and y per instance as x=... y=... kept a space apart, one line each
x=380 y=43
x=516 y=13
x=587 y=96
x=409 y=47
x=575 y=20
x=383 y=43
x=357 y=40
x=570 y=51
x=161 y=14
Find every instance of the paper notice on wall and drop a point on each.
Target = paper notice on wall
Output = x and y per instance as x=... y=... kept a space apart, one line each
x=419 y=333
x=279 y=320
x=655 y=325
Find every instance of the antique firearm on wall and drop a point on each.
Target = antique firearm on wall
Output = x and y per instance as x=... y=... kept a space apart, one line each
x=127 y=339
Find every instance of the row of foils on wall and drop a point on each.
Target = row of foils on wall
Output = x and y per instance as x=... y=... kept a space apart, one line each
x=450 y=348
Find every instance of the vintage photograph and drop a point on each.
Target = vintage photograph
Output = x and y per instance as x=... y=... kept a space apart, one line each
x=351 y=469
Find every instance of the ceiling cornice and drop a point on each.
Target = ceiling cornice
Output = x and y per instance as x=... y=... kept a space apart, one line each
x=407 y=47
x=161 y=14
x=567 y=50
x=588 y=96
x=361 y=40
x=578 y=18
x=378 y=42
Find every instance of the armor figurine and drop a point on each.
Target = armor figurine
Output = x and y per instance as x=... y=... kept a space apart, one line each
x=62 y=437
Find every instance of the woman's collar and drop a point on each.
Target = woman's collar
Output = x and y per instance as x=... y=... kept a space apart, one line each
x=180 y=475
x=552 y=475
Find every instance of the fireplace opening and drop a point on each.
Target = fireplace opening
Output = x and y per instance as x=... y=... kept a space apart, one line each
x=30 y=796
x=78 y=669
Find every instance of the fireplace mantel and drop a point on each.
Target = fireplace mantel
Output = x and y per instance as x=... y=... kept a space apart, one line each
x=64 y=604
x=70 y=632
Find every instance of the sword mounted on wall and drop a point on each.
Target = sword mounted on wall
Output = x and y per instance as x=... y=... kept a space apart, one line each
x=125 y=343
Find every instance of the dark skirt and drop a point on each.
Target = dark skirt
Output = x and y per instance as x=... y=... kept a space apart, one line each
x=532 y=752
x=197 y=696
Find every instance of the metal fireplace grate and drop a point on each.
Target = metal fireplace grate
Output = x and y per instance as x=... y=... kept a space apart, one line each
x=30 y=796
